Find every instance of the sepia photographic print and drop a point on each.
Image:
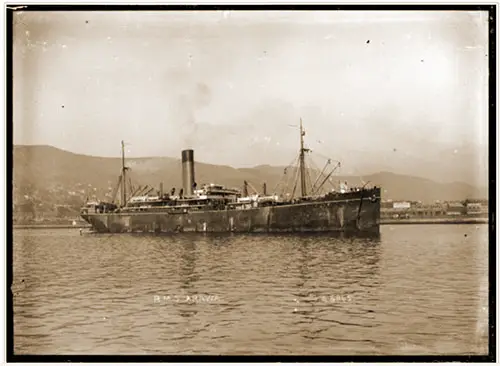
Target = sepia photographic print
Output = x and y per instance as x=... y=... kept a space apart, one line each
x=284 y=182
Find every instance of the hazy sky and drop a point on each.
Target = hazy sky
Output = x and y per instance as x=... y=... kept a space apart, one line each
x=229 y=84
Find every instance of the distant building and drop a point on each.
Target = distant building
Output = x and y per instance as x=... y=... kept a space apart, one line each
x=476 y=208
x=483 y=202
x=401 y=205
x=455 y=208
x=386 y=204
x=415 y=209
x=409 y=209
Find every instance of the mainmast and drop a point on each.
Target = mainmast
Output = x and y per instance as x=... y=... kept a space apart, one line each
x=302 y=162
x=124 y=181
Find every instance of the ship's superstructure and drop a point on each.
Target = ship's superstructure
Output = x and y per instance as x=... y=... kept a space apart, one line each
x=216 y=208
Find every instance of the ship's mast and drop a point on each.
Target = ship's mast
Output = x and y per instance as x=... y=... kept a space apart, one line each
x=302 y=162
x=124 y=181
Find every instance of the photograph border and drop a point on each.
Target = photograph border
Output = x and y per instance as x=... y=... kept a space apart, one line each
x=10 y=9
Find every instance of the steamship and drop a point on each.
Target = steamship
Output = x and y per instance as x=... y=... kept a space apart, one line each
x=317 y=207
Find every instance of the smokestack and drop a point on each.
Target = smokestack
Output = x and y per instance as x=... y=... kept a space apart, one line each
x=188 y=172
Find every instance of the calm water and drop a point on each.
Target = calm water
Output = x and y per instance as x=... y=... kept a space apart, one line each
x=414 y=290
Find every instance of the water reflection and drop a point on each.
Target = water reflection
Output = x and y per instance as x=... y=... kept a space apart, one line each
x=188 y=265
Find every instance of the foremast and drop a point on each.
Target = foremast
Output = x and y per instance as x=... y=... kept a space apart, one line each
x=123 y=177
x=302 y=164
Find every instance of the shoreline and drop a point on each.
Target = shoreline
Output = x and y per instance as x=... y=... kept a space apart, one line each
x=50 y=226
x=419 y=221
x=442 y=221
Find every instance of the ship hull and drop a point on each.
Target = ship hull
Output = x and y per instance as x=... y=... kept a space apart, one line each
x=357 y=214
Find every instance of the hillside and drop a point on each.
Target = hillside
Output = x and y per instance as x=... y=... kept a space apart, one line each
x=50 y=176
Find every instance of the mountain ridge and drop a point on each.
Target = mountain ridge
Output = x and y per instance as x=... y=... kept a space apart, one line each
x=51 y=172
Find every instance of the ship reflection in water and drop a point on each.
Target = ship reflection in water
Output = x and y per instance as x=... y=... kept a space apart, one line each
x=410 y=290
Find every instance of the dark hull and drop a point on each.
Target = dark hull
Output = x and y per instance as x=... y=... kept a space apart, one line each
x=349 y=214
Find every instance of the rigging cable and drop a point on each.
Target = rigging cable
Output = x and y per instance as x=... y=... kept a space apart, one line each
x=288 y=179
x=285 y=171
x=296 y=179
x=320 y=174
x=115 y=190
x=308 y=175
x=328 y=176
